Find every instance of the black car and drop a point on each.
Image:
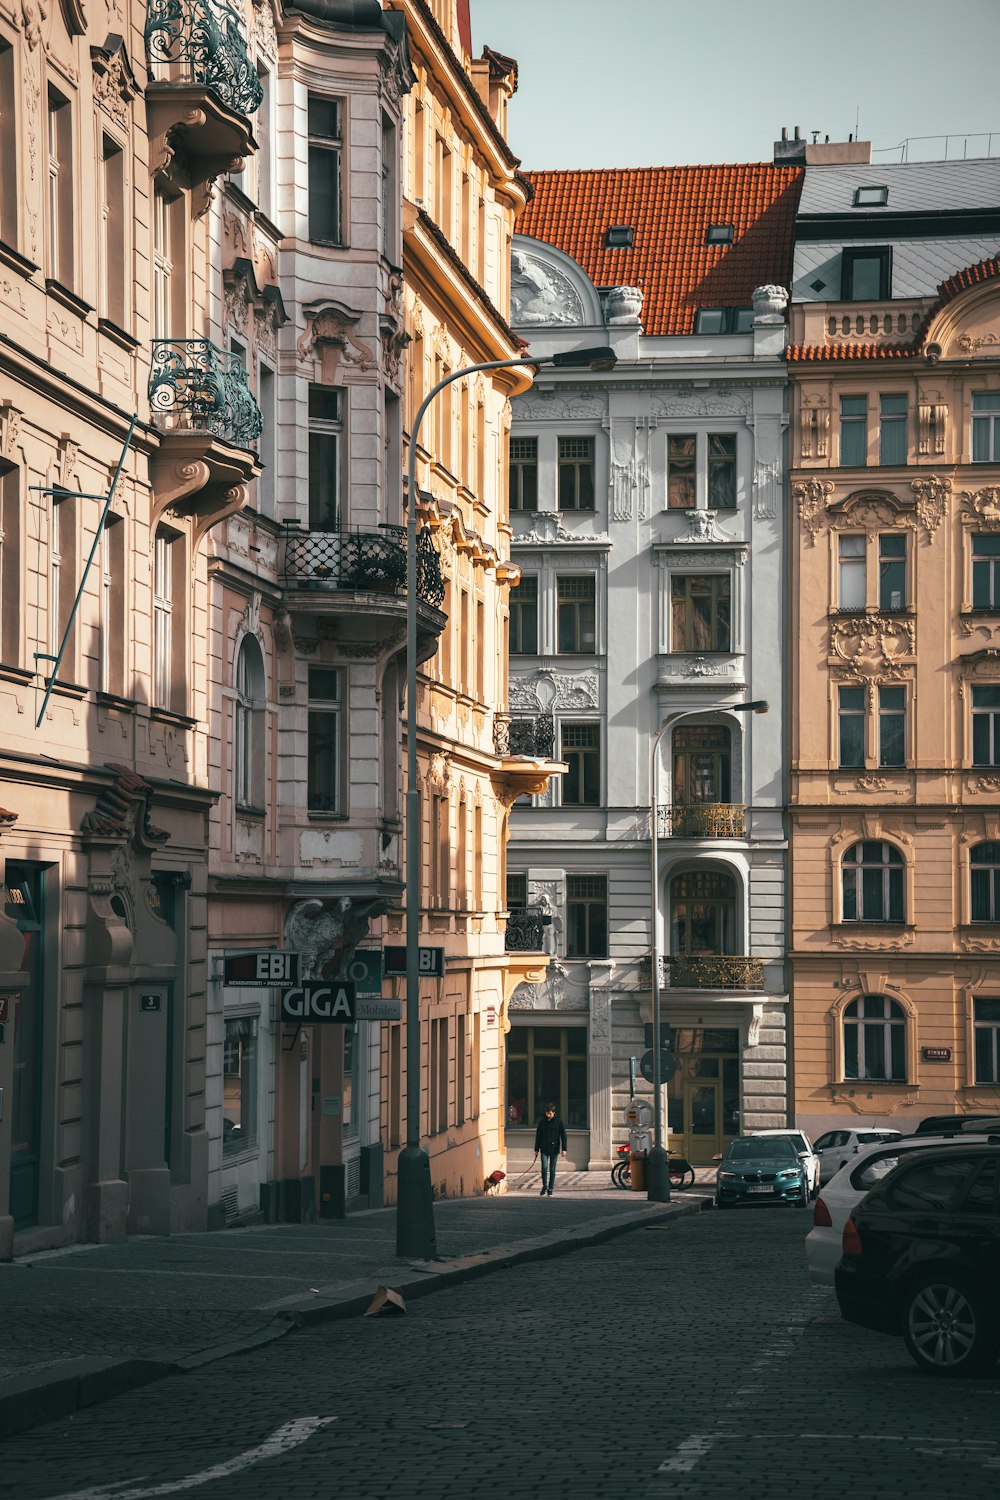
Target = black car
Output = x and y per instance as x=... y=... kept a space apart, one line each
x=921 y=1258
x=958 y=1125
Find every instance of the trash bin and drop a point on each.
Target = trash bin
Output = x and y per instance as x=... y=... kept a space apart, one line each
x=639 y=1142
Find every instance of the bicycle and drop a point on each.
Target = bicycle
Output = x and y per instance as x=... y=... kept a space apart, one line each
x=680 y=1170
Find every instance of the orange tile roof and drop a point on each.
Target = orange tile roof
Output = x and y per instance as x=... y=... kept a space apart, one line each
x=669 y=210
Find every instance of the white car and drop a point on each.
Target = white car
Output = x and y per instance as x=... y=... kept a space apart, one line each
x=836 y=1147
x=804 y=1151
x=846 y=1189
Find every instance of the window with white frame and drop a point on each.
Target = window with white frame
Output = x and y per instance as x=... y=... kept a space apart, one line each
x=168 y=262
x=576 y=473
x=248 y=739
x=163 y=610
x=986 y=1038
x=580 y=749
x=523 y=625
x=984 y=874
x=985 y=571
x=701 y=469
x=325 y=148
x=872 y=876
x=576 y=610
x=874 y=1029
x=851 y=569
x=111 y=629
x=113 y=232
x=986 y=427
x=524 y=473
x=239 y=1085
x=586 y=916
x=986 y=724
x=62 y=230
x=325 y=429
x=325 y=741
x=682 y=473
x=62 y=578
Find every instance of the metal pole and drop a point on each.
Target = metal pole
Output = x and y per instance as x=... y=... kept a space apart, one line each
x=415 y=1236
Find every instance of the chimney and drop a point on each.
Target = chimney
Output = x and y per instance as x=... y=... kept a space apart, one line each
x=789 y=153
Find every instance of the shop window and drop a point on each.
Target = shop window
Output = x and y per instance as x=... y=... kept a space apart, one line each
x=702 y=914
x=547 y=1064
x=875 y=1039
x=984 y=861
x=873 y=883
x=586 y=916
x=349 y=1101
x=986 y=1029
x=239 y=1086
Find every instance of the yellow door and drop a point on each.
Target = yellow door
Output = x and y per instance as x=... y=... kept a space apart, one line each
x=703 y=1120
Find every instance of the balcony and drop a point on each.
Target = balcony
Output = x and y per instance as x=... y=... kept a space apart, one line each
x=525 y=930
x=535 y=737
x=526 y=751
x=702 y=820
x=326 y=571
x=716 y=972
x=201 y=404
x=203 y=88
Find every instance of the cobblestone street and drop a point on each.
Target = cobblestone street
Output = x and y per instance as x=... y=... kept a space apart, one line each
x=686 y=1359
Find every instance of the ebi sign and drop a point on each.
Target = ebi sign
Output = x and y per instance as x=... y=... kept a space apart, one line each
x=307 y=1004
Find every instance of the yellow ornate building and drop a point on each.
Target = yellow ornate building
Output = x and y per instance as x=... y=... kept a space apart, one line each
x=462 y=193
x=894 y=814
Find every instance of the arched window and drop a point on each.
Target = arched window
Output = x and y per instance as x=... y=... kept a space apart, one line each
x=873 y=883
x=248 y=727
x=703 y=913
x=875 y=1039
x=985 y=862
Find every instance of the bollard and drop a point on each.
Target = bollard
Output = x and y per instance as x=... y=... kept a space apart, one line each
x=637 y=1168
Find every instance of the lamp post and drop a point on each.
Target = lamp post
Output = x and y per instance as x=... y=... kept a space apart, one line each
x=414 y=1197
x=657 y=1168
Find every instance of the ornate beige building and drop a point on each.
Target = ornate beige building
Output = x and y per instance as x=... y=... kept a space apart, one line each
x=894 y=815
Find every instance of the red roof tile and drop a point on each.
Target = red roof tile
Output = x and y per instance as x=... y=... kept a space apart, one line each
x=669 y=210
x=798 y=354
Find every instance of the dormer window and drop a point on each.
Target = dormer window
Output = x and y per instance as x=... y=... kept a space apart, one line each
x=723 y=320
x=865 y=274
x=618 y=237
x=870 y=197
x=719 y=234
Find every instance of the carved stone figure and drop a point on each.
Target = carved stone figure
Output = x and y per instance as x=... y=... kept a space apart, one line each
x=539 y=294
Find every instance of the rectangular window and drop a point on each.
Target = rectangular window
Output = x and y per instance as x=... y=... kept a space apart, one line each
x=325 y=146
x=986 y=572
x=62 y=579
x=444 y=189
x=8 y=147
x=113 y=230
x=460 y=1061
x=523 y=473
x=350 y=1112
x=851 y=588
x=580 y=748
x=722 y=471
x=264 y=131
x=576 y=473
x=547 y=1064
x=524 y=617
x=723 y=320
x=395 y=1085
x=576 y=607
x=586 y=916
x=111 y=645
x=324 y=741
x=10 y=565
x=892 y=430
x=239 y=1086
x=865 y=274
x=168 y=684
x=682 y=475
x=700 y=612
x=390 y=169
x=325 y=426
x=892 y=726
x=517 y=891
x=986 y=427
x=267 y=399
x=62 y=231
x=851 y=719
x=987 y=1038
x=986 y=726
x=168 y=265
x=853 y=431
x=892 y=571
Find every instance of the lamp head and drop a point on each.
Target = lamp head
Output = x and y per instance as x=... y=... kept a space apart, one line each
x=593 y=359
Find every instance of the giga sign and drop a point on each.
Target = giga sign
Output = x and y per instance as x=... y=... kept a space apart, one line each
x=307 y=1004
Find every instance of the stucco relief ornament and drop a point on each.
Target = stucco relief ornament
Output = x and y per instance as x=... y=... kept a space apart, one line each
x=932 y=501
x=600 y=1016
x=114 y=82
x=874 y=645
x=968 y=344
x=628 y=478
x=545 y=528
x=702 y=527
x=813 y=496
x=540 y=293
x=331 y=329
x=984 y=505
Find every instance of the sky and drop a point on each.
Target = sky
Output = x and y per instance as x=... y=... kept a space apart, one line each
x=615 y=83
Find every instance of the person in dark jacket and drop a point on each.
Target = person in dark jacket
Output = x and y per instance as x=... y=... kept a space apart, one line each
x=550 y=1136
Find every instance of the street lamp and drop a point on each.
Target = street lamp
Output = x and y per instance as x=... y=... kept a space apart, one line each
x=657 y=1167
x=414 y=1197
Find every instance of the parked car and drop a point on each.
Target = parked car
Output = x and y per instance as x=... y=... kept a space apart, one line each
x=846 y=1189
x=836 y=1147
x=958 y=1125
x=921 y=1258
x=804 y=1150
x=759 y=1168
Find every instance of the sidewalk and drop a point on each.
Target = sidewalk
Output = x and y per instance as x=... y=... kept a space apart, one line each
x=81 y=1324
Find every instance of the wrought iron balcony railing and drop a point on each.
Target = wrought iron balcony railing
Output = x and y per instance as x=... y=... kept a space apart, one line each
x=363 y=561
x=535 y=737
x=525 y=926
x=716 y=972
x=195 y=386
x=203 y=42
x=702 y=820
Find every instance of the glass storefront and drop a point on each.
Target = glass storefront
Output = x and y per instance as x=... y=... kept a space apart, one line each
x=547 y=1063
x=703 y=1097
x=239 y=1082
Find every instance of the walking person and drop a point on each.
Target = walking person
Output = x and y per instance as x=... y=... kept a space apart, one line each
x=550 y=1137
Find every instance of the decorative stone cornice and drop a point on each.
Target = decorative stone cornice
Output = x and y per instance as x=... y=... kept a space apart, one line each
x=122 y=811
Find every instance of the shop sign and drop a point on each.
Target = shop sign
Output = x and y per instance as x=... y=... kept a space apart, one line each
x=372 y=1008
x=311 y=1003
x=430 y=963
x=260 y=969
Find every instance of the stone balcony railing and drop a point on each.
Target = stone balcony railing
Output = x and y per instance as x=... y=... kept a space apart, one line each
x=716 y=972
x=525 y=929
x=702 y=820
x=362 y=562
x=535 y=737
x=194 y=386
x=202 y=42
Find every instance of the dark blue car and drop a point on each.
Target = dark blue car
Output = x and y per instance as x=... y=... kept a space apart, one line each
x=761 y=1169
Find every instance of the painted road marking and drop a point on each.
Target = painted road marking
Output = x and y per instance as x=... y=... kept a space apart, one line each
x=289 y=1436
x=690 y=1452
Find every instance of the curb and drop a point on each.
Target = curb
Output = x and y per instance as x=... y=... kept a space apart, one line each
x=29 y=1401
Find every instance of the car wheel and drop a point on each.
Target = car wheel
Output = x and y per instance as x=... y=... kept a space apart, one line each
x=806 y=1199
x=720 y=1203
x=947 y=1328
